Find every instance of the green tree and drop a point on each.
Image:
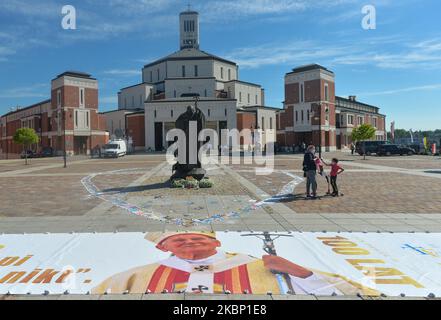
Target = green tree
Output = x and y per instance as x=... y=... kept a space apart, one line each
x=25 y=137
x=363 y=133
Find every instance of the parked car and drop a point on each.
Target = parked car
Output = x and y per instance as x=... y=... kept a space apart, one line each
x=394 y=149
x=115 y=149
x=47 y=152
x=368 y=147
x=30 y=154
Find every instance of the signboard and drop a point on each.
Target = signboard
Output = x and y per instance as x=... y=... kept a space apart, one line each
x=225 y=262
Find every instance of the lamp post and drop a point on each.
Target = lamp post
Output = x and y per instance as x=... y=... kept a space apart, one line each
x=318 y=117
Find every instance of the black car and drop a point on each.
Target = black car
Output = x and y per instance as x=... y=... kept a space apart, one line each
x=394 y=149
x=368 y=147
x=28 y=154
x=47 y=152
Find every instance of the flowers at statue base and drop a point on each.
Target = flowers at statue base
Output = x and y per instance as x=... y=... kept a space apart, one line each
x=191 y=183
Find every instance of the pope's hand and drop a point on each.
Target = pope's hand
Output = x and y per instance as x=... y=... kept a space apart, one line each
x=279 y=264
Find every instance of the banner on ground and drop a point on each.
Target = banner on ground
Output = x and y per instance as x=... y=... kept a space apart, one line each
x=225 y=262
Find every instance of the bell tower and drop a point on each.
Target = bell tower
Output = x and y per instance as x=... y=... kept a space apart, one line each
x=189 y=29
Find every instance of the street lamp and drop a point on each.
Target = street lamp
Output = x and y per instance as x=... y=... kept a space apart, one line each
x=318 y=117
x=64 y=140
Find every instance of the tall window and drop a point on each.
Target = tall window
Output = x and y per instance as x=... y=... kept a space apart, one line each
x=302 y=93
x=196 y=71
x=240 y=96
x=302 y=115
x=205 y=92
x=81 y=97
x=297 y=116
x=271 y=123
x=326 y=92
x=229 y=74
x=263 y=123
x=157 y=73
x=58 y=98
x=151 y=76
x=256 y=99
x=87 y=119
x=222 y=72
x=249 y=98
x=183 y=71
x=76 y=118
x=307 y=114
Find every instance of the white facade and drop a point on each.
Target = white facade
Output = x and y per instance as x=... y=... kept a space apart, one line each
x=134 y=97
x=246 y=94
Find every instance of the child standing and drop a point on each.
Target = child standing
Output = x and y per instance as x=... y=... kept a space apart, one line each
x=335 y=171
x=319 y=163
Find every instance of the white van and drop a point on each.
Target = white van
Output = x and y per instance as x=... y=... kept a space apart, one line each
x=115 y=148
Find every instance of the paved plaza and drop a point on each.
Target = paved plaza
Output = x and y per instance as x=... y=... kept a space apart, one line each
x=394 y=194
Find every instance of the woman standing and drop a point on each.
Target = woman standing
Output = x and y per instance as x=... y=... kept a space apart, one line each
x=310 y=169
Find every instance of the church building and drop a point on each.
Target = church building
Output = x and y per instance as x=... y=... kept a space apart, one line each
x=172 y=83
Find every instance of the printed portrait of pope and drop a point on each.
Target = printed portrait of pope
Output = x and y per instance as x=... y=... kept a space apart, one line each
x=197 y=265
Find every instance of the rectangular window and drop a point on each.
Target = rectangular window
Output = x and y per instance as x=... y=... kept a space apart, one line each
x=157 y=71
x=209 y=112
x=326 y=92
x=229 y=74
x=302 y=115
x=308 y=115
x=81 y=97
x=183 y=71
x=263 y=123
x=375 y=122
x=240 y=96
x=133 y=101
x=174 y=93
x=87 y=119
x=76 y=118
x=301 y=93
x=249 y=98
x=59 y=98
x=205 y=92
x=222 y=72
x=256 y=99
x=297 y=116
x=271 y=123
x=196 y=71
x=151 y=76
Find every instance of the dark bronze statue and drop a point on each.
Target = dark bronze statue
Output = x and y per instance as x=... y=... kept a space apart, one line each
x=183 y=170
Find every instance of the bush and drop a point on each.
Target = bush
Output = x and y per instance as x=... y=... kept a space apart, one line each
x=205 y=183
x=178 y=183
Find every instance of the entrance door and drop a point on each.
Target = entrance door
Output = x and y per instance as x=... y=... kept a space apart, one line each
x=158 y=136
x=80 y=145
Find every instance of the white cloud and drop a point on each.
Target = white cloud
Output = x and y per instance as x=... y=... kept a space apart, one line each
x=391 y=52
x=39 y=90
x=123 y=72
x=109 y=100
x=429 y=87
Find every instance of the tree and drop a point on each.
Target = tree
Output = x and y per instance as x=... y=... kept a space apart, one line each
x=363 y=133
x=25 y=137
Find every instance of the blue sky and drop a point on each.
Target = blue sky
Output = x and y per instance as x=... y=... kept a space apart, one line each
x=396 y=67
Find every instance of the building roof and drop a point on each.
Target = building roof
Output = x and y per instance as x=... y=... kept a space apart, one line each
x=188 y=12
x=189 y=54
x=28 y=107
x=310 y=67
x=353 y=105
x=76 y=74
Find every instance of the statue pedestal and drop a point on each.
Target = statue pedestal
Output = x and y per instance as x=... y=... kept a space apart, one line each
x=183 y=172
